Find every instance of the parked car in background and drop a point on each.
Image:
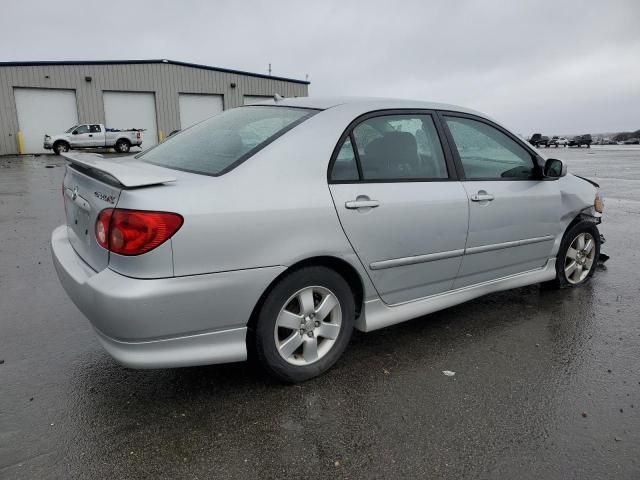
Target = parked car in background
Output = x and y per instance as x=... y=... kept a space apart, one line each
x=632 y=141
x=558 y=142
x=604 y=141
x=279 y=228
x=533 y=140
x=580 y=140
x=93 y=135
x=539 y=140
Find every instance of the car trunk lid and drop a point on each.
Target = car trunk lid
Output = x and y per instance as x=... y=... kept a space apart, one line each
x=93 y=183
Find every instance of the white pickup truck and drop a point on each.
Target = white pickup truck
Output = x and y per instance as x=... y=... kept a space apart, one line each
x=94 y=135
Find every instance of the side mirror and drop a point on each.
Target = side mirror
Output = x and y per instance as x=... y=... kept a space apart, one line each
x=75 y=132
x=554 y=168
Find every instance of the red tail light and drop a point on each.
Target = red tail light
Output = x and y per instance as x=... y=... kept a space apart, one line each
x=134 y=232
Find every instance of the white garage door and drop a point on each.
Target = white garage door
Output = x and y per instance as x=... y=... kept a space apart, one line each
x=195 y=108
x=43 y=111
x=132 y=110
x=250 y=99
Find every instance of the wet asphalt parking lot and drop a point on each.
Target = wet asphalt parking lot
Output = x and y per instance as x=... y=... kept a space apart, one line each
x=547 y=383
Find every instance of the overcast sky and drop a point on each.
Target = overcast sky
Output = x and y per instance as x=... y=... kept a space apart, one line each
x=554 y=67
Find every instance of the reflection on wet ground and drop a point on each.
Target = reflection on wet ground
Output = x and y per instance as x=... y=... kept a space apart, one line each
x=547 y=383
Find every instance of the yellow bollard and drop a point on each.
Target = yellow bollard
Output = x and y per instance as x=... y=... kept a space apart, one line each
x=161 y=136
x=20 y=140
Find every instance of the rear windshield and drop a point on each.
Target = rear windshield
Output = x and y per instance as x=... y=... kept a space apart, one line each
x=218 y=144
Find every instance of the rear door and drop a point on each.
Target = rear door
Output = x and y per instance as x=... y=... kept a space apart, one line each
x=400 y=204
x=514 y=215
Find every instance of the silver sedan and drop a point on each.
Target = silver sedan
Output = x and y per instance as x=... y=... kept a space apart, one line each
x=281 y=227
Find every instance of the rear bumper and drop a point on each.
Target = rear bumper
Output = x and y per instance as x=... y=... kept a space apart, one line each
x=204 y=349
x=166 y=322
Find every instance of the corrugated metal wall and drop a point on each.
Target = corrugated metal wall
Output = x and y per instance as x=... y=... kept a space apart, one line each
x=166 y=80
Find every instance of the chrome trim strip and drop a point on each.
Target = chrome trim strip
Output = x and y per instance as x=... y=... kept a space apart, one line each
x=431 y=257
x=400 y=262
x=514 y=243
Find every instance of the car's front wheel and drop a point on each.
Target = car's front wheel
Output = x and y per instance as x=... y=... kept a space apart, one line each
x=60 y=147
x=578 y=255
x=305 y=324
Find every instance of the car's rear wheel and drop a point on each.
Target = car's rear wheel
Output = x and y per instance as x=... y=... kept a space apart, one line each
x=305 y=324
x=123 y=146
x=578 y=255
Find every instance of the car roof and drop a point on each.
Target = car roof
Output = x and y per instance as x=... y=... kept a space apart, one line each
x=366 y=103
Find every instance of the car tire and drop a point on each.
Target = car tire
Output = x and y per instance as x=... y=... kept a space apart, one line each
x=60 y=147
x=122 y=146
x=574 y=268
x=292 y=342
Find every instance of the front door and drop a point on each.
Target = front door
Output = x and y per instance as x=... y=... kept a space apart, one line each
x=80 y=137
x=514 y=215
x=400 y=204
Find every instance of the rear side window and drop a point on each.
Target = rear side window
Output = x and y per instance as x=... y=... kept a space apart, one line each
x=345 y=167
x=487 y=153
x=395 y=147
x=217 y=145
x=94 y=129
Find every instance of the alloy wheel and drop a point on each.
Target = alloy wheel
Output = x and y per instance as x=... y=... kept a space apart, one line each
x=308 y=325
x=580 y=258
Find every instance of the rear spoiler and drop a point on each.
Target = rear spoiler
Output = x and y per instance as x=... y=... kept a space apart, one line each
x=126 y=171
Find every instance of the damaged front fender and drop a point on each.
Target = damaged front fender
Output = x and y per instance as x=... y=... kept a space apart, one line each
x=578 y=197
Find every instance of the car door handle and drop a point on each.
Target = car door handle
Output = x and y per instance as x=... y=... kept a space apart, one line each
x=91 y=135
x=482 y=197
x=354 y=204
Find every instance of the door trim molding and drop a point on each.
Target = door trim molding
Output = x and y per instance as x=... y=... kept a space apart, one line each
x=514 y=243
x=432 y=257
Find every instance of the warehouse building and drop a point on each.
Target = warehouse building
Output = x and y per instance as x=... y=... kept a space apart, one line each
x=158 y=95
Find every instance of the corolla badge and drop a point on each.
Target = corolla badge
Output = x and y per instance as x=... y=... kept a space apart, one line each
x=105 y=198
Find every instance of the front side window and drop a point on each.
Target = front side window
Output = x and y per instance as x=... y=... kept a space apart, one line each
x=216 y=145
x=487 y=153
x=82 y=129
x=396 y=147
